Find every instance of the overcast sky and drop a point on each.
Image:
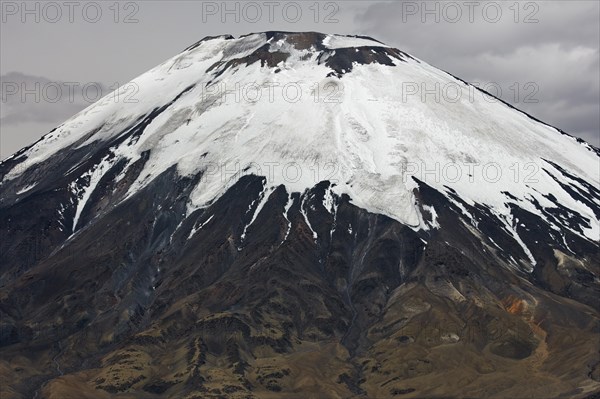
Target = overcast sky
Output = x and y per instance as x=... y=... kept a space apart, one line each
x=541 y=56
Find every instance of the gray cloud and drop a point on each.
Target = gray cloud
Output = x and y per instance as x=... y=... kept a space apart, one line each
x=27 y=98
x=33 y=105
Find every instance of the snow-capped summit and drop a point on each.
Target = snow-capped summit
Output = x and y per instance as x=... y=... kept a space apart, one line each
x=304 y=107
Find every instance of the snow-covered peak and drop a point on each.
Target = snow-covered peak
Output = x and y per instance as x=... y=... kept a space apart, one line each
x=338 y=41
x=299 y=108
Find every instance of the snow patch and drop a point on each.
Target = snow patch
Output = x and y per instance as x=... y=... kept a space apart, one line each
x=26 y=188
x=195 y=229
x=83 y=194
x=263 y=198
x=333 y=42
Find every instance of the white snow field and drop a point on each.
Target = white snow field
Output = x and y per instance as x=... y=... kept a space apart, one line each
x=369 y=131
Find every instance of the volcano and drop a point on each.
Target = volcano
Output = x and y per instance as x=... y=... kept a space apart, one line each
x=300 y=215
